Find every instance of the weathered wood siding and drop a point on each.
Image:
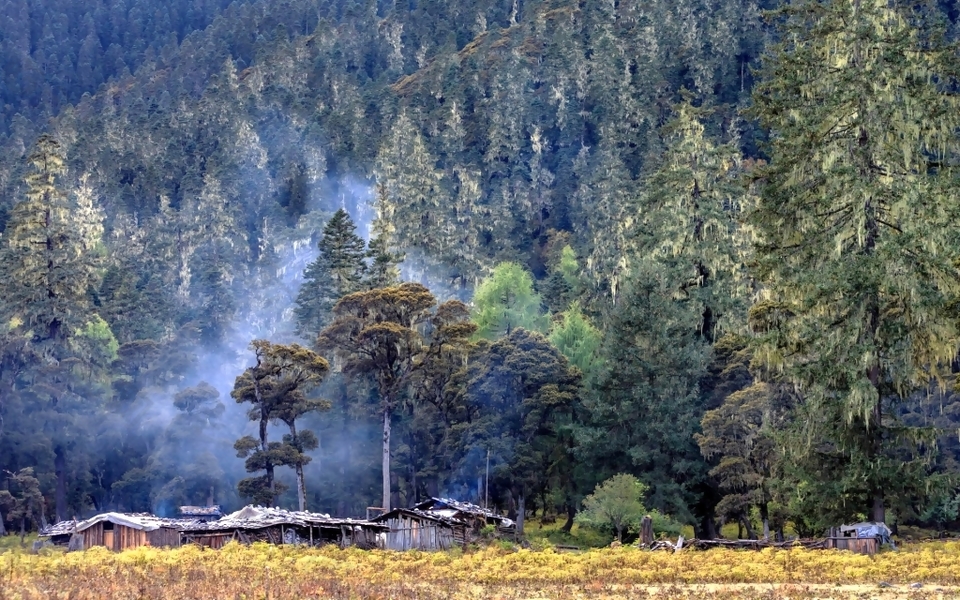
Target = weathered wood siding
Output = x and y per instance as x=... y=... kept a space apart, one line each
x=164 y=537
x=123 y=538
x=868 y=546
x=407 y=533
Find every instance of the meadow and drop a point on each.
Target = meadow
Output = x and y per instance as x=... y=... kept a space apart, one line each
x=265 y=572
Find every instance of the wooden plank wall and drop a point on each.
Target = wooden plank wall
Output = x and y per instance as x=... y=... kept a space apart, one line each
x=868 y=546
x=164 y=537
x=124 y=538
x=409 y=534
x=92 y=536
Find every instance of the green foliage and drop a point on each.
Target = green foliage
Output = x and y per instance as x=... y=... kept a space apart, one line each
x=101 y=339
x=857 y=240
x=277 y=387
x=338 y=270
x=576 y=337
x=616 y=502
x=24 y=505
x=505 y=301
x=521 y=394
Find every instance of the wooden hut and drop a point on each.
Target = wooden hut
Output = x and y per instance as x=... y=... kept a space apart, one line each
x=476 y=517
x=412 y=529
x=862 y=538
x=278 y=526
x=118 y=531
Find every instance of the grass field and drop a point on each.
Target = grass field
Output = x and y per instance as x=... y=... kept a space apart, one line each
x=279 y=572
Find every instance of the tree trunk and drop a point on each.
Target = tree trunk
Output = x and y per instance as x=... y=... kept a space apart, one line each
x=878 y=513
x=60 y=466
x=746 y=524
x=619 y=534
x=3 y=530
x=521 y=512
x=765 y=517
x=571 y=513
x=264 y=420
x=386 y=460
x=23 y=529
x=301 y=488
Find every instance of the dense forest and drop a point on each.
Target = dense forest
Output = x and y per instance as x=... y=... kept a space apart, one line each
x=333 y=254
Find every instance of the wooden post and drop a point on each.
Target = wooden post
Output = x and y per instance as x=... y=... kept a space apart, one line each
x=646 y=531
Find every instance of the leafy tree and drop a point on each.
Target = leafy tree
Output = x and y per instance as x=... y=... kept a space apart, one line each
x=618 y=502
x=505 y=301
x=521 y=393
x=25 y=504
x=741 y=435
x=337 y=271
x=577 y=338
x=276 y=387
x=375 y=333
x=437 y=402
x=858 y=237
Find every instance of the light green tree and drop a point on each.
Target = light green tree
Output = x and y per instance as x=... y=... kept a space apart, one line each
x=506 y=300
x=617 y=502
x=859 y=237
x=577 y=338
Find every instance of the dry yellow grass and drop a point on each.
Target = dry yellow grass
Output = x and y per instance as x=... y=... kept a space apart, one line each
x=276 y=572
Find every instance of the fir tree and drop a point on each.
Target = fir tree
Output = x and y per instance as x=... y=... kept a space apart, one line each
x=383 y=270
x=337 y=271
x=50 y=262
x=858 y=229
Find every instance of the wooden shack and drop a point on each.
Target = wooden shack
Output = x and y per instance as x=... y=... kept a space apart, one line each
x=278 y=526
x=862 y=538
x=476 y=517
x=118 y=531
x=412 y=529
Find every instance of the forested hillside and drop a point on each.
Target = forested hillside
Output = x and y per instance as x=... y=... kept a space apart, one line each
x=340 y=254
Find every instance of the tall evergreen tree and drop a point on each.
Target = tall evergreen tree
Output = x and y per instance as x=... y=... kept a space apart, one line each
x=859 y=236
x=690 y=221
x=337 y=271
x=506 y=300
x=377 y=334
x=383 y=270
x=49 y=262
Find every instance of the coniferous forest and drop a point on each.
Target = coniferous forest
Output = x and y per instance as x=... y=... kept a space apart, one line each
x=334 y=254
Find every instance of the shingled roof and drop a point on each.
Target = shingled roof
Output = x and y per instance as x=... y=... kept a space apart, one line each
x=139 y=521
x=260 y=517
x=455 y=509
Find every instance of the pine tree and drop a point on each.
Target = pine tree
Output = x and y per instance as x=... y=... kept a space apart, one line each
x=383 y=270
x=858 y=230
x=50 y=262
x=689 y=222
x=276 y=387
x=337 y=271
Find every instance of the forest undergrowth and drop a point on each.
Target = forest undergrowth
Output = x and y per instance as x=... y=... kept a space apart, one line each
x=274 y=572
